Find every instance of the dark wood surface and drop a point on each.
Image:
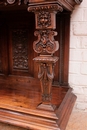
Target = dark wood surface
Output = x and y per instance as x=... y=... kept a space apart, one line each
x=20 y=91
x=13 y=46
x=18 y=106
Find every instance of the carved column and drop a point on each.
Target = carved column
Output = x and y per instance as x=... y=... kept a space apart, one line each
x=45 y=46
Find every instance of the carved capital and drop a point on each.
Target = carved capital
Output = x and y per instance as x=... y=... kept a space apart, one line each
x=45 y=43
x=46 y=7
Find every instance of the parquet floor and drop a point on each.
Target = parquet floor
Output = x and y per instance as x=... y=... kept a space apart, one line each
x=77 y=121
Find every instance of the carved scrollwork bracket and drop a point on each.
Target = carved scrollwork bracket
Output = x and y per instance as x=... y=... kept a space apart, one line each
x=45 y=43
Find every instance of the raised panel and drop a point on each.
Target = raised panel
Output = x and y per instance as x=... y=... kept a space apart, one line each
x=20 y=49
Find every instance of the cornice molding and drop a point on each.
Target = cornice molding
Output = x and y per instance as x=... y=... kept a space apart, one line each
x=52 y=7
x=57 y=4
x=78 y=1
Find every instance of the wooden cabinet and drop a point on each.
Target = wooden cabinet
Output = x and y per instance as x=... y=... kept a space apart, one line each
x=20 y=88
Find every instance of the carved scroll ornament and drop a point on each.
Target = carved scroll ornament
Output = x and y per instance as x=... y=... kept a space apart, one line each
x=45 y=43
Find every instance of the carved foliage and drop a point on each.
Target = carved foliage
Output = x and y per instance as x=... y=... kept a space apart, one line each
x=20 y=49
x=45 y=43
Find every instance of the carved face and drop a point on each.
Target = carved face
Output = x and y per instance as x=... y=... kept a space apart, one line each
x=44 y=19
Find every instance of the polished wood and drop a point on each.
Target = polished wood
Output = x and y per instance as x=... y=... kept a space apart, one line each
x=24 y=100
x=22 y=4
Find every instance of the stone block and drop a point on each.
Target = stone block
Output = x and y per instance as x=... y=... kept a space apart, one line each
x=84 y=55
x=79 y=80
x=78 y=90
x=81 y=42
x=74 y=67
x=83 y=68
x=77 y=14
x=80 y=28
x=76 y=54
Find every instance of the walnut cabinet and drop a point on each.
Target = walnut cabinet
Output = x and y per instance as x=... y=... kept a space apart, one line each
x=34 y=63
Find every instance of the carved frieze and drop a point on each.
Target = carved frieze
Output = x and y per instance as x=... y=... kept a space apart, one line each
x=20 y=49
x=46 y=7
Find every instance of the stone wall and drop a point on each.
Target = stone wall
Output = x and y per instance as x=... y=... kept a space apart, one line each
x=78 y=55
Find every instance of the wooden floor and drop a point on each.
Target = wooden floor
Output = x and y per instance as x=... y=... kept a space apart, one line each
x=78 y=121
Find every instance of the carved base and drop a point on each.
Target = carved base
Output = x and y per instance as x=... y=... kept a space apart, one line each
x=38 y=119
x=47 y=107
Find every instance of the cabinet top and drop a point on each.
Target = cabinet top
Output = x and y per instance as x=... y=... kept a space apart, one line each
x=66 y=4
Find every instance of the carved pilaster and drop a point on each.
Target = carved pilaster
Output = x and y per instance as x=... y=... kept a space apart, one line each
x=45 y=46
